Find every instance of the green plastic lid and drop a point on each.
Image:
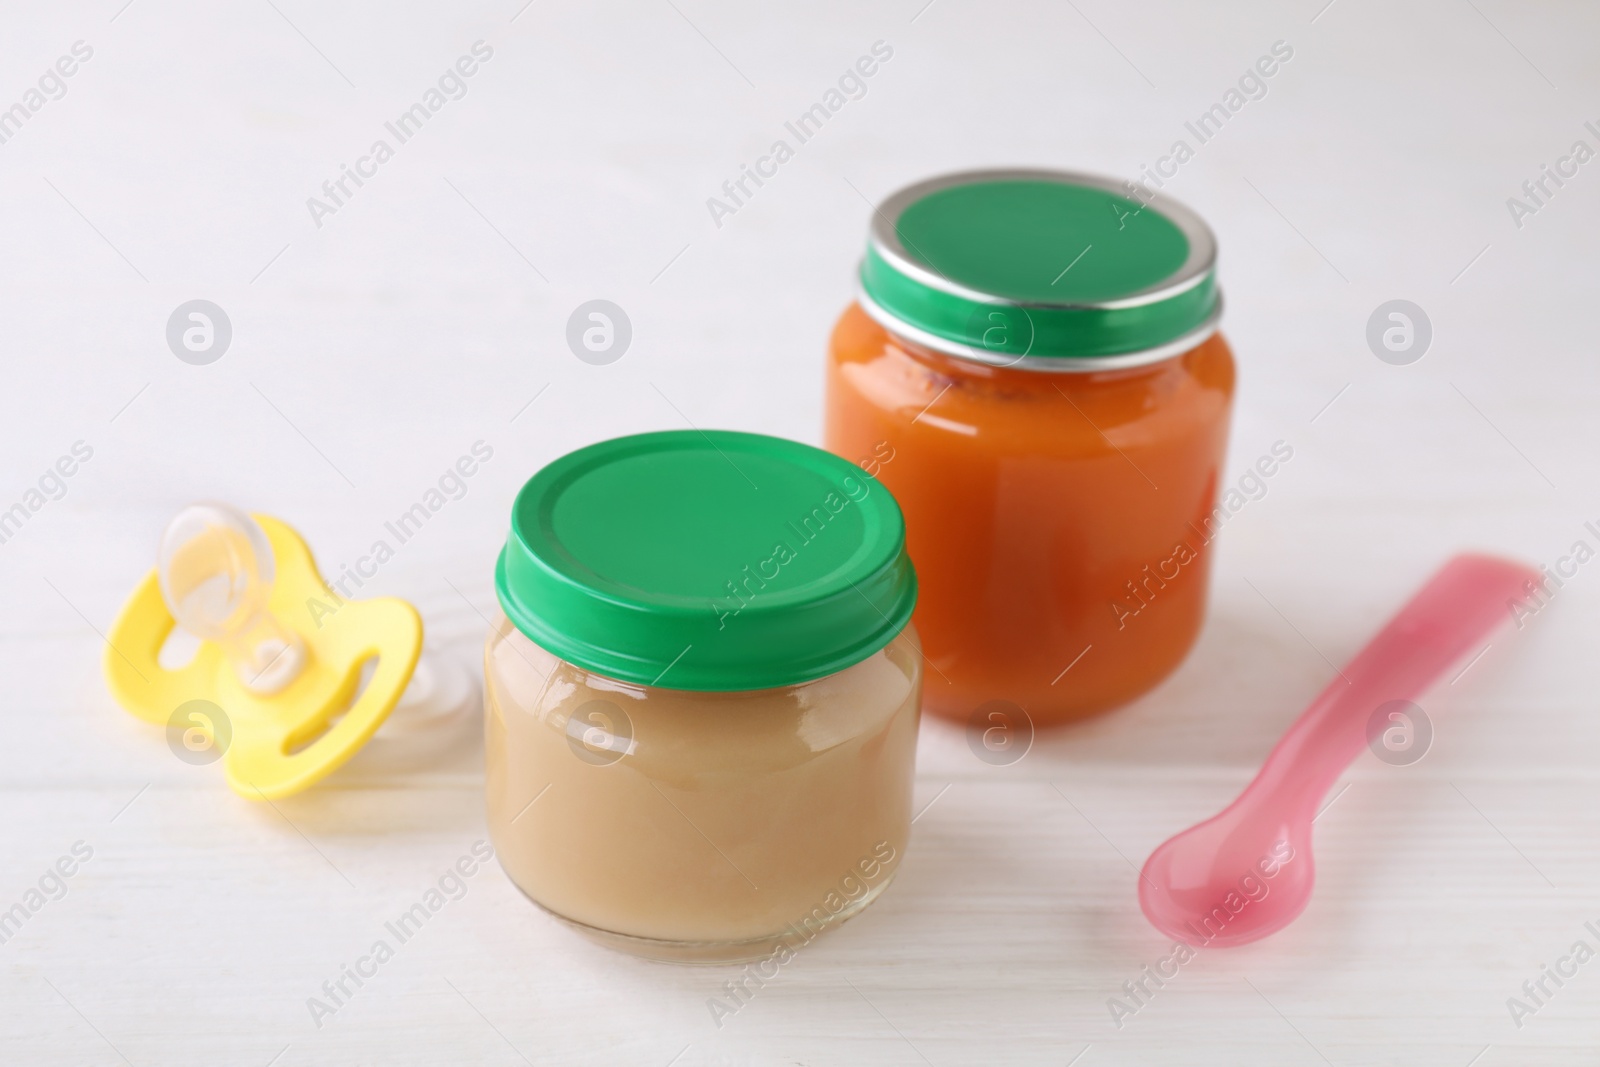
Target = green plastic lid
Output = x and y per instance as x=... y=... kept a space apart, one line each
x=711 y=561
x=1043 y=269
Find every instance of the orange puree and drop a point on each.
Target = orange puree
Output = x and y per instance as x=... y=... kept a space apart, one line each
x=1058 y=522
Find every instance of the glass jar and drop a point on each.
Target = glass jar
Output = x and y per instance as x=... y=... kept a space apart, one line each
x=702 y=700
x=1034 y=368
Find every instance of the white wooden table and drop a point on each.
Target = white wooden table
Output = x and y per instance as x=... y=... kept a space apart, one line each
x=429 y=309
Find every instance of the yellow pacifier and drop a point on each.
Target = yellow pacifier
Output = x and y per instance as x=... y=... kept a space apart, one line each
x=276 y=685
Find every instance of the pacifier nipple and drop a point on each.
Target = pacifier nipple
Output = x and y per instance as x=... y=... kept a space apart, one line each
x=216 y=572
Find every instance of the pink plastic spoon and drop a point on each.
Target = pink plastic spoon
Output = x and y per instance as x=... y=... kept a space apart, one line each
x=1247 y=872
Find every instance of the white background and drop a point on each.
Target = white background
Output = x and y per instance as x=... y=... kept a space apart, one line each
x=370 y=352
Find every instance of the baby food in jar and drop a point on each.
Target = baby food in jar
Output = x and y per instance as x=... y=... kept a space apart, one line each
x=1034 y=365
x=702 y=699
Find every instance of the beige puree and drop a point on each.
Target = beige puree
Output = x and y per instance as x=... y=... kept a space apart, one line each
x=728 y=817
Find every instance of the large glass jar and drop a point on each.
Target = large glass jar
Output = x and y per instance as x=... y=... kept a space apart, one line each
x=702 y=702
x=1034 y=369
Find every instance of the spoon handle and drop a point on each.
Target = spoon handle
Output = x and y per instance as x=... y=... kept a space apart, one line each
x=1450 y=616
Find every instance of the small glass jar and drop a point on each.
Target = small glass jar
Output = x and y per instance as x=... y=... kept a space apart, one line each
x=702 y=702
x=1033 y=367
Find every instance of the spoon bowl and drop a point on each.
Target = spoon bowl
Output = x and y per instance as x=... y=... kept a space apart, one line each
x=1230 y=880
